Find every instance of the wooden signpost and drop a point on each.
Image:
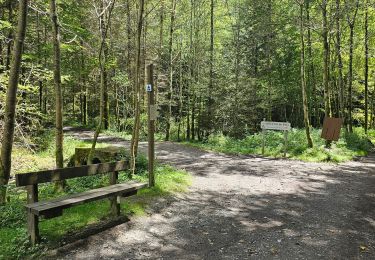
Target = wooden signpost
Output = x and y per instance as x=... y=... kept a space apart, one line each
x=152 y=116
x=278 y=126
x=331 y=128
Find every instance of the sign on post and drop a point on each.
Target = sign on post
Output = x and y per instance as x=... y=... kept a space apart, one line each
x=152 y=116
x=331 y=128
x=278 y=126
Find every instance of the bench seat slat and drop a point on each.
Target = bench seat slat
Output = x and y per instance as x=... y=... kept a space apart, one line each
x=41 y=208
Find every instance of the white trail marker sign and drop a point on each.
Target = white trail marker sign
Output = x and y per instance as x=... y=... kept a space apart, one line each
x=278 y=126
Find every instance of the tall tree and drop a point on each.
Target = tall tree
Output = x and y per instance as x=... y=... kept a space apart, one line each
x=137 y=121
x=170 y=53
x=351 y=22
x=366 y=64
x=303 y=77
x=340 y=81
x=327 y=102
x=58 y=90
x=312 y=74
x=11 y=101
x=211 y=80
x=103 y=73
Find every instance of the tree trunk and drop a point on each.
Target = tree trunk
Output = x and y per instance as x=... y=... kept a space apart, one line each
x=180 y=82
x=40 y=83
x=339 y=61
x=211 y=80
x=103 y=70
x=327 y=105
x=58 y=91
x=10 y=35
x=312 y=80
x=366 y=65
x=303 y=81
x=103 y=78
x=351 y=23
x=170 y=52
x=137 y=121
x=11 y=102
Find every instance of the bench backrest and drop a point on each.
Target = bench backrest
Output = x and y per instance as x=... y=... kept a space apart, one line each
x=34 y=178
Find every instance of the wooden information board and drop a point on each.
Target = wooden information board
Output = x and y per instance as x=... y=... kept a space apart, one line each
x=331 y=128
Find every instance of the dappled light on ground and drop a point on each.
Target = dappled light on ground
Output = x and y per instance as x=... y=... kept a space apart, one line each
x=242 y=207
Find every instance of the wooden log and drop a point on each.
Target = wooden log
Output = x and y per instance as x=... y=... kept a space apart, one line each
x=69 y=173
x=115 y=200
x=32 y=220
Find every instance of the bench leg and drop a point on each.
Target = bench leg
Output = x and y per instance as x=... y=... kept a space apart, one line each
x=33 y=227
x=115 y=206
x=115 y=201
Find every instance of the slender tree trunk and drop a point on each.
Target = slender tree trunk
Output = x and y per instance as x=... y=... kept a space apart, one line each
x=351 y=23
x=11 y=102
x=39 y=62
x=2 y=11
x=170 y=52
x=58 y=91
x=327 y=103
x=10 y=35
x=159 y=70
x=137 y=121
x=103 y=77
x=312 y=79
x=180 y=92
x=103 y=69
x=211 y=80
x=303 y=81
x=366 y=65
x=339 y=60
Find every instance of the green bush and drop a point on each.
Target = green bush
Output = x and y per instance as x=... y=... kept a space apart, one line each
x=349 y=145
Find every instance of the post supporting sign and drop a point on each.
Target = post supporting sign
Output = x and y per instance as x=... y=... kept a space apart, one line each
x=152 y=116
x=277 y=126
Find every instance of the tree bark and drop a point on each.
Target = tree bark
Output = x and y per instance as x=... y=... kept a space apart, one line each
x=137 y=121
x=11 y=101
x=103 y=78
x=327 y=105
x=303 y=80
x=339 y=62
x=351 y=23
x=10 y=35
x=366 y=65
x=312 y=80
x=58 y=91
x=170 y=53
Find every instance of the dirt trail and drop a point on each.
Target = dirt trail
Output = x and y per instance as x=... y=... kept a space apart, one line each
x=242 y=207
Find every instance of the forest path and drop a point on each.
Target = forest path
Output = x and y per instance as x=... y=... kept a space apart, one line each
x=246 y=207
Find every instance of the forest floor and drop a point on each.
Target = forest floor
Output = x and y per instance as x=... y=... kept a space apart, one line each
x=246 y=207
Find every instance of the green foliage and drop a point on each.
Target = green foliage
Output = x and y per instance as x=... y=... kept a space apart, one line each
x=13 y=239
x=349 y=146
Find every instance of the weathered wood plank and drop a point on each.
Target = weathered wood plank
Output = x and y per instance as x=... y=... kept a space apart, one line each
x=32 y=220
x=42 y=208
x=69 y=173
x=115 y=203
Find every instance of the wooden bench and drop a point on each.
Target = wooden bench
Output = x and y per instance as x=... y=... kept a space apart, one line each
x=54 y=208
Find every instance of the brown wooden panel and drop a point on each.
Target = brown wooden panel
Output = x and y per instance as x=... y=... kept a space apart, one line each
x=331 y=128
x=42 y=208
x=69 y=173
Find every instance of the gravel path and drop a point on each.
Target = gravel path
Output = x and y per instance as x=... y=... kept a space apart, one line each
x=242 y=207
